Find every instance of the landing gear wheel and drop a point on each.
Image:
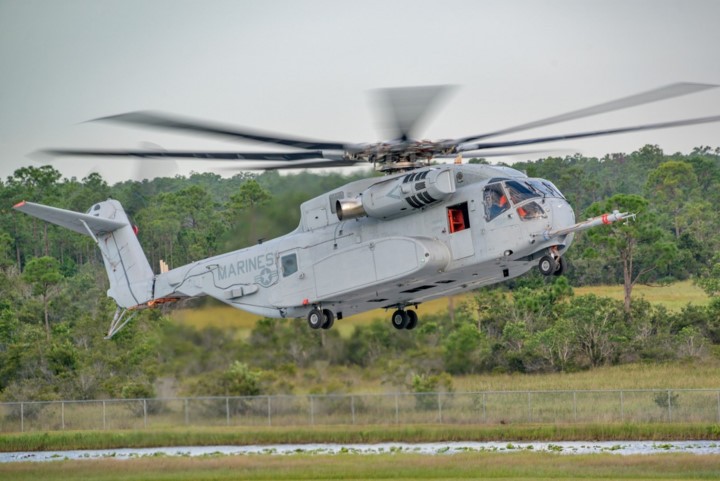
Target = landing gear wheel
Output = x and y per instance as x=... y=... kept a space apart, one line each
x=412 y=320
x=547 y=265
x=329 y=319
x=316 y=319
x=559 y=267
x=400 y=319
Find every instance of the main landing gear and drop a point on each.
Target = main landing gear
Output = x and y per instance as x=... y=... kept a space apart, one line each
x=402 y=319
x=321 y=319
x=325 y=318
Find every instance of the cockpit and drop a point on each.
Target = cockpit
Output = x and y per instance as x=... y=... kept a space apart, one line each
x=502 y=195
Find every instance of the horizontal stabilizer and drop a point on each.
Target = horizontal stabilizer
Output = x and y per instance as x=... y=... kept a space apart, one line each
x=71 y=220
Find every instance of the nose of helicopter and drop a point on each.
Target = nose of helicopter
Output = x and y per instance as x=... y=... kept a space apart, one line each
x=562 y=213
x=562 y=217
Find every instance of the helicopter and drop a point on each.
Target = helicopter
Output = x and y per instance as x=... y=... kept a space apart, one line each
x=421 y=231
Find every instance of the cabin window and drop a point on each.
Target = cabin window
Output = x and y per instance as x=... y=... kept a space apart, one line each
x=458 y=218
x=289 y=264
x=495 y=201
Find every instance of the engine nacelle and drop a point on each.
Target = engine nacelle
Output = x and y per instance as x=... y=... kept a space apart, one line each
x=399 y=196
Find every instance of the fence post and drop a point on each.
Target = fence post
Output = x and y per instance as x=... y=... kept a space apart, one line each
x=269 y=412
x=484 y=404
x=529 y=408
x=187 y=412
x=104 y=417
x=22 y=417
x=397 y=409
x=227 y=411
x=622 y=407
x=62 y=414
x=669 y=406
x=439 y=409
x=312 y=410
x=144 y=412
x=352 y=408
x=575 y=406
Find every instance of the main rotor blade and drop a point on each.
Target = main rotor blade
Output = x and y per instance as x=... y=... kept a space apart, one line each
x=406 y=107
x=299 y=165
x=166 y=121
x=595 y=133
x=500 y=153
x=278 y=156
x=662 y=93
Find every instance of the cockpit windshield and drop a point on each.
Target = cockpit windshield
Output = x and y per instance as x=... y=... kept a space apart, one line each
x=500 y=196
x=520 y=192
x=546 y=188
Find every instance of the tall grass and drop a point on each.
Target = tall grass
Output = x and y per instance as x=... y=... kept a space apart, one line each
x=673 y=296
x=347 y=434
x=698 y=374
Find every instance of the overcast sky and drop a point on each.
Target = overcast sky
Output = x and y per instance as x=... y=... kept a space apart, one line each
x=306 y=67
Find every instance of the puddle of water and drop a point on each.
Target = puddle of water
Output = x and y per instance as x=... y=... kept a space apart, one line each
x=566 y=447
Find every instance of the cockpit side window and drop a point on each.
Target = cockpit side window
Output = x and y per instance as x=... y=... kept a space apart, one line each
x=530 y=211
x=520 y=192
x=495 y=201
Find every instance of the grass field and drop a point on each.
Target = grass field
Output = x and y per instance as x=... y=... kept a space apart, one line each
x=698 y=374
x=674 y=375
x=674 y=297
x=506 y=466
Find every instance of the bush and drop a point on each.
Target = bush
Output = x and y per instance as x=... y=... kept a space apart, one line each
x=666 y=399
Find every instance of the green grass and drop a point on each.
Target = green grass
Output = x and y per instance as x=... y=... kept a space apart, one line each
x=696 y=374
x=699 y=374
x=348 y=434
x=673 y=297
x=506 y=466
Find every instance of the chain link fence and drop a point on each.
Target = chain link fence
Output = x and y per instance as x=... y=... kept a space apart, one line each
x=487 y=407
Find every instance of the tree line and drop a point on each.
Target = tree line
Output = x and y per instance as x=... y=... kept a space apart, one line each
x=53 y=308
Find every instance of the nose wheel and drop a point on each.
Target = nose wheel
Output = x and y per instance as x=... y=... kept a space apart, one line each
x=550 y=266
x=547 y=265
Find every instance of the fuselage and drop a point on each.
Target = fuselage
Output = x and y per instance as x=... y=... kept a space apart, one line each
x=390 y=242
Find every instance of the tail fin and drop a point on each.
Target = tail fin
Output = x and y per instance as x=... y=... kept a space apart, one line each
x=131 y=278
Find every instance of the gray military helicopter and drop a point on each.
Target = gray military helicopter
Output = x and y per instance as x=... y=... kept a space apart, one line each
x=420 y=232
